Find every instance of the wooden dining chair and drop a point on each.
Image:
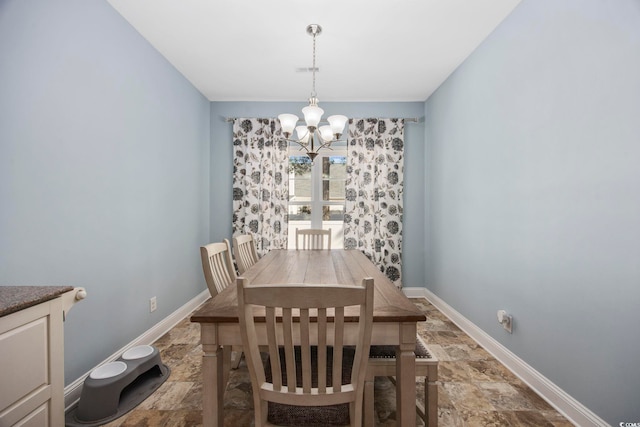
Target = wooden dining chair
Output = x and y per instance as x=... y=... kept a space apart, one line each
x=382 y=363
x=312 y=239
x=313 y=379
x=217 y=266
x=219 y=273
x=244 y=250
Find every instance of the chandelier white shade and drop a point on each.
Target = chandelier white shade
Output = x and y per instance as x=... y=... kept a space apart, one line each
x=303 y=134
x=311 y=137
x=288 y=122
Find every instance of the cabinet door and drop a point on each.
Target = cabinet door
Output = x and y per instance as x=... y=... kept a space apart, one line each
x=32 y=366
x=38 y=418
x=24 y=360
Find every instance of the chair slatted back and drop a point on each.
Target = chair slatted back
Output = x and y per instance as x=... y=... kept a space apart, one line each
x=217 y=265
x=313 y=239
x=305 y=316
x=244 y=250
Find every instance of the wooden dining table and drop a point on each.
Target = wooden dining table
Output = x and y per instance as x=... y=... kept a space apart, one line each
x=395 y=320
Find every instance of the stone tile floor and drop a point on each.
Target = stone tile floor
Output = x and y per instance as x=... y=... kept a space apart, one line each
x=475 y=389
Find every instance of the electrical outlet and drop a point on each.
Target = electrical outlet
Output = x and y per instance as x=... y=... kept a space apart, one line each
x=506 y=320
x=153 y=304
x=507 y=323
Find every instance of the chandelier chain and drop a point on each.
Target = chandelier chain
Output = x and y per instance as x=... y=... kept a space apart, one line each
x=313 y=90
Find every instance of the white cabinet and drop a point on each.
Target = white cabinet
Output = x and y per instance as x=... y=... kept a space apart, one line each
x=32 y=365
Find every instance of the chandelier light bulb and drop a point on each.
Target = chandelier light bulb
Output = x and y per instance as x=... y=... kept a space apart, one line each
x=303 y=134
x=288 y=123
x=337 y=123
x=312 y=115
x=325 y=133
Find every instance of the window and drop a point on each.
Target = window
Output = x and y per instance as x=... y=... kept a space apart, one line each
x=316 y=193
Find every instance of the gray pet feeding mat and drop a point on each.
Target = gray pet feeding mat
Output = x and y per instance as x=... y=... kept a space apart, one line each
x=115 y=388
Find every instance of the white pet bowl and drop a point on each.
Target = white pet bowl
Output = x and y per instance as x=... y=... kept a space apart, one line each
x=108 y=370
x=137 y=352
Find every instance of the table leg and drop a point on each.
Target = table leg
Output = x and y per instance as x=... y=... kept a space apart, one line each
x=226 y=365
x=406 y=376
x=212 y=378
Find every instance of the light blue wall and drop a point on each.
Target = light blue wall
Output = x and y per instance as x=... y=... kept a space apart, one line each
x=534 y=204
x=222 y=168
x=104 y=166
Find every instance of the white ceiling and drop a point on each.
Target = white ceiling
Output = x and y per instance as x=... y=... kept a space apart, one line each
x=369 y=50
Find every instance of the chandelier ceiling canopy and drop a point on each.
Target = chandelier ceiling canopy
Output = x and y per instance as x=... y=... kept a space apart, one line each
x=311 y=137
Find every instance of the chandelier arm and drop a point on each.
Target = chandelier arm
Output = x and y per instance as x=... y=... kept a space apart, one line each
x=302 y=145
x=333 y=141
x=328 y=144
x=323 y=145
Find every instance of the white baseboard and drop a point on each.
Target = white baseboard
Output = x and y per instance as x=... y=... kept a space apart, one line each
x=73 y=390
x=569 y=407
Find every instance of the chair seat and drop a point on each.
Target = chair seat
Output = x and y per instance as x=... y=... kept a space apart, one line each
x=389 y=351
x=382 y=363
x=313 y=416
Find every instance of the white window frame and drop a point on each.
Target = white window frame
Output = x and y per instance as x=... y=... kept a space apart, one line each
x=316 y=203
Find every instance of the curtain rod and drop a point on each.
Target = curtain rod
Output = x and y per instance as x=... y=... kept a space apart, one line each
x=406 y=119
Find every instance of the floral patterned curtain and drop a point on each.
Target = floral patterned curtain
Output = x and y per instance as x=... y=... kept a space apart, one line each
x=260 y=182
x=374 y=187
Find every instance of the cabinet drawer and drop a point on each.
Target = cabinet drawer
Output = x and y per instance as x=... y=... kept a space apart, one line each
x=24 y=353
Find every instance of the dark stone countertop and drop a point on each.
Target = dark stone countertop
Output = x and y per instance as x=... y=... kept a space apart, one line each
x=16 y=298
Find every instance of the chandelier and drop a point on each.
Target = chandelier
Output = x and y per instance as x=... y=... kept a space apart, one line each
x=311 y=137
